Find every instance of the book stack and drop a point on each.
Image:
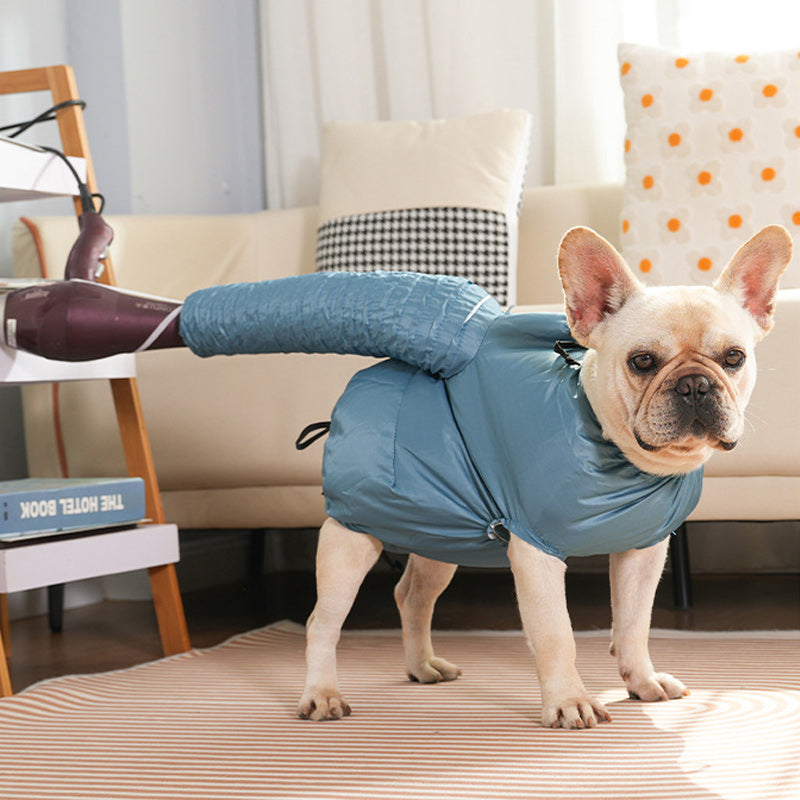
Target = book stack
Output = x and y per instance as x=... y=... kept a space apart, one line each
x=35 y=507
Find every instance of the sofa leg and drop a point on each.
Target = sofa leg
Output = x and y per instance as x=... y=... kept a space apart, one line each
x=681 y=572
x=55 y=607
x=256 y=581
x=256 y=551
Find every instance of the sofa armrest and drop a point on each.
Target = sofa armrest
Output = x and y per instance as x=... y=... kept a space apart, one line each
x=760 y=479
x=771 y=443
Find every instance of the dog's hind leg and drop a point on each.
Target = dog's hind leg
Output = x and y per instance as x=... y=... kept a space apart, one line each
x=416 y=594
x=344 y=557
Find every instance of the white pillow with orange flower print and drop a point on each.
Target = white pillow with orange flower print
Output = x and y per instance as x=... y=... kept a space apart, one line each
x=712 y=154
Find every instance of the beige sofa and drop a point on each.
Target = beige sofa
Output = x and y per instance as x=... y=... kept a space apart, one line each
x=223 y=429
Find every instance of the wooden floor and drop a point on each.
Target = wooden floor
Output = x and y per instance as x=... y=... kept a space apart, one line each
x=114 y=635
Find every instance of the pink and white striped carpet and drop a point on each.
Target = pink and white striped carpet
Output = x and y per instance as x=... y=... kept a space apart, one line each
x=220 y=723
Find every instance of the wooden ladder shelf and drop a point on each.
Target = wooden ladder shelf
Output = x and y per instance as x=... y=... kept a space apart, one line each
x=60 y=82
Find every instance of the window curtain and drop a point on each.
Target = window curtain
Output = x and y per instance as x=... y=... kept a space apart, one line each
x=362 y=60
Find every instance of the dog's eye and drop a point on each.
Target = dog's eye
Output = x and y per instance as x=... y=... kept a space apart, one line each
x=642 y=363
x=734 y=358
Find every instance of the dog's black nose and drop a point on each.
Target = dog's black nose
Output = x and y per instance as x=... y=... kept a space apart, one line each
x=693 y=388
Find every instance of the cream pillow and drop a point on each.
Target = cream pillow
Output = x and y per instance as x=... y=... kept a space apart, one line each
x=712 y=154
x=440 y=197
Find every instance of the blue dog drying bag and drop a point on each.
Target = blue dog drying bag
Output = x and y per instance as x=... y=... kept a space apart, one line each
x=473 y=430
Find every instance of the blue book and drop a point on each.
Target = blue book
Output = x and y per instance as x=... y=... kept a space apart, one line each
x=44 y=506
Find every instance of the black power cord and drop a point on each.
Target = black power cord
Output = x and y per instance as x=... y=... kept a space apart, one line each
x=45 y=116
x=87 y=197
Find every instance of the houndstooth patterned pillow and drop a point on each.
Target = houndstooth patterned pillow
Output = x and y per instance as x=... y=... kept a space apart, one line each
x=440 y=197
x=465 y=242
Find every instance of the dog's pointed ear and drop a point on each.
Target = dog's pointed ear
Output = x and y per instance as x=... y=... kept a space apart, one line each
x=753 y=273
x=596 y=280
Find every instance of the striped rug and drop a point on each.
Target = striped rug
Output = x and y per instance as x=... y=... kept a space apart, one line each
x=220 y=723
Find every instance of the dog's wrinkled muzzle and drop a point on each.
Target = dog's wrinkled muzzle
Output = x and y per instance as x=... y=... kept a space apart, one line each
x=703 y=415
x=688 y=408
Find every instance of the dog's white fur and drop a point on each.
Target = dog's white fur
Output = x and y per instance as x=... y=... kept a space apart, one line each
x=697 y=331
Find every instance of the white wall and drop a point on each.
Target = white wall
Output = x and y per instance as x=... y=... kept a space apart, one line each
x=32 y=33
x=173 y=93
x=192 y=79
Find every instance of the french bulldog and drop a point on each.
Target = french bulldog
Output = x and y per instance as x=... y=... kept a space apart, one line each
x=668 y=373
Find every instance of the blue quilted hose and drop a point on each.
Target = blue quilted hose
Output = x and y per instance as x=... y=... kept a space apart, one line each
x=432 y=322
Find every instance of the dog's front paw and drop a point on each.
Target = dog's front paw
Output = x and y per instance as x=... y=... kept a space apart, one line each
x=433 y=670
x=657 y=686
x=574 y=712
x=322 y=704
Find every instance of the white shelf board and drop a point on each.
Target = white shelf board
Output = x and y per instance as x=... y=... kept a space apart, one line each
x=19 y=367
x=28 y=173
x=45 y=562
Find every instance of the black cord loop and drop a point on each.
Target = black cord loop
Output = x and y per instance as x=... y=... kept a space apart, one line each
x=310 y=434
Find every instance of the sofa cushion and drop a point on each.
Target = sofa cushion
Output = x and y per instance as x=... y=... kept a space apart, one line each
x=440 y=197
x=712 y=155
